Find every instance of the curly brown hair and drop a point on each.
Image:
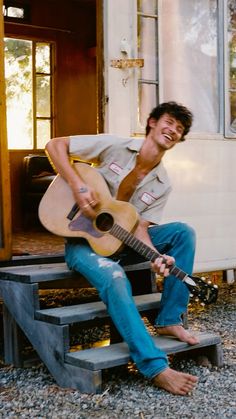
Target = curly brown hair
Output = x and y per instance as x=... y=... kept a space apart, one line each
x=178 y=111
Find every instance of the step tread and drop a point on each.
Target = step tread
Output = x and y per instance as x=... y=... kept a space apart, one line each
x=90 y=311
x=37 y=273
x=118 y=354
x=33 y=260
x=48 y=272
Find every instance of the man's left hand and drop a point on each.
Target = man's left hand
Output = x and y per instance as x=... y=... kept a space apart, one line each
x=162 y=265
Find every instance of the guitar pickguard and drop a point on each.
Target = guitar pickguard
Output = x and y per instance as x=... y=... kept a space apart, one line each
x=82 y=223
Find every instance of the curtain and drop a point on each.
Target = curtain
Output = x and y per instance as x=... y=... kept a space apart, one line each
x=188 y=58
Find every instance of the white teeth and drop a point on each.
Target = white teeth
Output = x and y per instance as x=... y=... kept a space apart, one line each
x=168 y=137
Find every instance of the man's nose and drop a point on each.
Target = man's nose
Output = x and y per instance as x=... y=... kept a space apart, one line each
x=174 y=129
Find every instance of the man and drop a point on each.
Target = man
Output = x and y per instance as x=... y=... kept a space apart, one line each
x=134 y=172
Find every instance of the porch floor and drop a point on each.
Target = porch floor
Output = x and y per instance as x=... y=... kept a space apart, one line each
x=36 y=243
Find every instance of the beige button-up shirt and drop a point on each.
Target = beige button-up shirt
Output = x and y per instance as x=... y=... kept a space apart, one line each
x=115 y=157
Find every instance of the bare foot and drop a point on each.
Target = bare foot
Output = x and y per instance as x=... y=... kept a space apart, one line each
x=175 y=382
x=179 y=332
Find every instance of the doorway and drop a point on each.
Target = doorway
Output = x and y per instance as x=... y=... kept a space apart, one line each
x=63 y=85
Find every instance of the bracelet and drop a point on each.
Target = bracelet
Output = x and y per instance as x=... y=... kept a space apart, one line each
x=83 y=189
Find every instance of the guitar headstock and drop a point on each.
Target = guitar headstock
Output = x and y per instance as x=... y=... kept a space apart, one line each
x=202 y=288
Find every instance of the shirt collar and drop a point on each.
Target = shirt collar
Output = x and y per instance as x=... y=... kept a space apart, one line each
x=159 y=171
x=136 y=144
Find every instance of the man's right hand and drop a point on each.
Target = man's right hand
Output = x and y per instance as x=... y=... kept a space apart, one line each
x=86 y=199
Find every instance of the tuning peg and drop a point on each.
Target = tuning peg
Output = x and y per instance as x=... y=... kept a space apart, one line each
x=203 y=278
x=190 y=295
x=209 y=282
x=215 y=286
x=196 y=299
x=202 y=304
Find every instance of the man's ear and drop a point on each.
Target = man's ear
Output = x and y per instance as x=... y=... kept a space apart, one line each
x=152 y=122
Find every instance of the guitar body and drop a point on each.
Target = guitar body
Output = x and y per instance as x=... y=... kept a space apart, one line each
x=58 y=202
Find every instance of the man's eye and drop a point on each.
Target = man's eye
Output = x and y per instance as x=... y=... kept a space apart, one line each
x=180 y=130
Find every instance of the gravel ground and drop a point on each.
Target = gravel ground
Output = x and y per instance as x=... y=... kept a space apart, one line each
x=33 y=393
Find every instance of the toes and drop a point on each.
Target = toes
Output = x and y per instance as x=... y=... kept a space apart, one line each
x=187 y=388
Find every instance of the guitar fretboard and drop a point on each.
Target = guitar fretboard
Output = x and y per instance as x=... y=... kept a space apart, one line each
x=142 y=248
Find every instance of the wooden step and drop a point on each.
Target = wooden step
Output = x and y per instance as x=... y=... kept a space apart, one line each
x=49 y=272
x=30 y=274
x=90 y=311
x=33 y=260
x=118 y=354
x=46 y=275
x=58 y=275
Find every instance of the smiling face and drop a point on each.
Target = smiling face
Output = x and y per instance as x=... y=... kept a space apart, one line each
x=166 y=131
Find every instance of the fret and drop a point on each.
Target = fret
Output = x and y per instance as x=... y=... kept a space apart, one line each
x=140 y=248
x=143 y=249
x=177 y=272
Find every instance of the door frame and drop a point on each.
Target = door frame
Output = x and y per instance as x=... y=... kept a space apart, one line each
x=5 y=196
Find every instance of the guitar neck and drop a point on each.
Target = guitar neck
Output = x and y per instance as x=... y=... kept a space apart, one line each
x=143 y=249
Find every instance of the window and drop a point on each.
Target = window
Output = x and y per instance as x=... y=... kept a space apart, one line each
x=13 y=11
x=178 y=41
x=230 y=67
x=29 y=80
x=189 y=58
x=189 y=51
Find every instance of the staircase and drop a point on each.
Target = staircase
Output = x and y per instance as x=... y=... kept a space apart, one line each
x=48 y=330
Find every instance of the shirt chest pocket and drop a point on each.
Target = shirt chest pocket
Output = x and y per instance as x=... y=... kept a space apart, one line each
x=143 y=199
x=148 y=195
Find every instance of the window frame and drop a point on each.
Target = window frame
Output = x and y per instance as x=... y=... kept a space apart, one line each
x=144 y=81
x=138 y=128
x=51 y=75
x=35 y=118
x=223 y=77
x=228 y=133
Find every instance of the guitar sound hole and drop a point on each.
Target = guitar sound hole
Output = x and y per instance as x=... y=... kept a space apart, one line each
x=104 y=222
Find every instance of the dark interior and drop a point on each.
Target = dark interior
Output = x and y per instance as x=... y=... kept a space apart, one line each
x=72 y=26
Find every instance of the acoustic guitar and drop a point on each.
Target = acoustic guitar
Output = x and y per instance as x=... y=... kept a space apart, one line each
x=112 y=227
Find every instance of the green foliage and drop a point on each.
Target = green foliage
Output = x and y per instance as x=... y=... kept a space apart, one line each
x=18 y=65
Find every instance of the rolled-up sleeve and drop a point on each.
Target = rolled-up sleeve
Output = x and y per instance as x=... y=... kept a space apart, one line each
x=89 y=147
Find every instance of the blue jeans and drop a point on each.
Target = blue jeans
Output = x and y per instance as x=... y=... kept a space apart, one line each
x=108 y=277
